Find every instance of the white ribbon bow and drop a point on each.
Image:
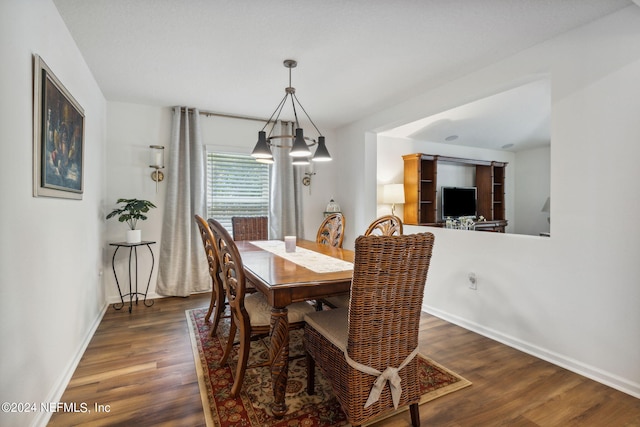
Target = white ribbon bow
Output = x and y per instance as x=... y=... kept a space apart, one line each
x=390 y=375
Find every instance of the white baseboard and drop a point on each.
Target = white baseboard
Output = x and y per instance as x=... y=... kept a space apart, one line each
x=573 y=365
x=116 y=298
x=55 y=395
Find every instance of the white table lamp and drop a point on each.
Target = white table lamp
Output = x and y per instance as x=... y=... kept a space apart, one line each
x=393 y=193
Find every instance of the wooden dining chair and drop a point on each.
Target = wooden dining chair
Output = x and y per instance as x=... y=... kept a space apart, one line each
x=250 y=227
x=217 y=291
x=331 y=230
x=250 y=312
x=330 y=233
x=387 y=225
x=378 y=333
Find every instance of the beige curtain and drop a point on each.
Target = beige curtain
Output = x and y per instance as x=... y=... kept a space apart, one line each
x=182 y=266
x=285 y=207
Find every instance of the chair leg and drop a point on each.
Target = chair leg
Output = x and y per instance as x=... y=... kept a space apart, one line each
x=229 y=346
x=311 y=375
x=415 y=415
x=243 y=358
x=220 y=306
x=211 y=304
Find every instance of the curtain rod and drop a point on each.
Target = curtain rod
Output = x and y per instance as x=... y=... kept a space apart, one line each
x=229 y=116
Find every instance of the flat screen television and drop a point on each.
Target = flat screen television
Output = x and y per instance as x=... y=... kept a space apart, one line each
x=459 y=201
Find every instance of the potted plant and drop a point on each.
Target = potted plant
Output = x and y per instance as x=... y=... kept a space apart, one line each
x=130 y=211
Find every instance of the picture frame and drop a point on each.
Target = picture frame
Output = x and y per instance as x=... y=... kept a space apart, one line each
x=58 y=137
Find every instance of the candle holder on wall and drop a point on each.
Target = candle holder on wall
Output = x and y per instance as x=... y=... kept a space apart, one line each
x=157 y=160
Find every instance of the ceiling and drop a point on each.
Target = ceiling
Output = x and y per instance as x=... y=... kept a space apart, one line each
x=514 y=120
x=355 y=57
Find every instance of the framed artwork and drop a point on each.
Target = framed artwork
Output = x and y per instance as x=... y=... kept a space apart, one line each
x=58 y=137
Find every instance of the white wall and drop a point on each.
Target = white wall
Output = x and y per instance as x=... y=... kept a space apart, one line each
x=572 y=298
x=51 y=294
x=131 y=129
x=532 y=177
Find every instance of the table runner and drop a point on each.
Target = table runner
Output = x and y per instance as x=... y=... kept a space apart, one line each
x=314 y=261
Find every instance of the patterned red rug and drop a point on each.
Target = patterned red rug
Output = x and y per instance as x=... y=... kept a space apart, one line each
x=251 y=408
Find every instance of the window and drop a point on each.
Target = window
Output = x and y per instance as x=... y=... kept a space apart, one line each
x=237 y=185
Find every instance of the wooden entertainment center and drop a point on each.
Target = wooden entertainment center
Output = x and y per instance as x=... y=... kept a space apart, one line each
x=421 y=190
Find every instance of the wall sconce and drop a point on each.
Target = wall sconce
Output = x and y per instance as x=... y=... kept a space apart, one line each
x=306 y=181
x=392 y=194
x=157 y=163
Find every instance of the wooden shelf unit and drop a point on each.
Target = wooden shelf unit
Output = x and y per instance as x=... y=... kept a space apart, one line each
x=490 y=184
x=421 y=188
x=420 y=191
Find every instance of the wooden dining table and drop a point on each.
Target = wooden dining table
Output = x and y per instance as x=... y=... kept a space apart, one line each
x=283 y=282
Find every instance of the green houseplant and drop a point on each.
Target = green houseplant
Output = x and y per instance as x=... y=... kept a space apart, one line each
x=131 y=211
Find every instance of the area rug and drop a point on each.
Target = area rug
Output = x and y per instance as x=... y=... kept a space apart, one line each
x=252 y=407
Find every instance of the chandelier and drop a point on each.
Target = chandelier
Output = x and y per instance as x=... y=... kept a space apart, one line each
x=300 y=148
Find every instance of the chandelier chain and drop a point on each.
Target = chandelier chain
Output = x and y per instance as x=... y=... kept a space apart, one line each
x=277 y=110
x=306 y=114
x=295 y=113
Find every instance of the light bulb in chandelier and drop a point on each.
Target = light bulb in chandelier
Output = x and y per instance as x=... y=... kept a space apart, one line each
x=300 y=161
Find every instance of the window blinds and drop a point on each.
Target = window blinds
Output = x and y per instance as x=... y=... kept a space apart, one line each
x=237 y=185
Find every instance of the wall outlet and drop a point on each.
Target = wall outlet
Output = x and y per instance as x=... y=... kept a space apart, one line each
x=473 y=281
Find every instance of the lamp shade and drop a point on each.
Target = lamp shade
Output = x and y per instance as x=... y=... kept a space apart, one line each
x=157 y=156
x=262 y=150
x=300 y=148
x=322 y=154
x=393 y=193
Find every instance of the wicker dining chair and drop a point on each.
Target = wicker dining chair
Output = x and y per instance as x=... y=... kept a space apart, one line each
x=387 y=225
x=331 y=230
x=378 y=332
x=250 y=227
x=250 y=312
x=217 y=291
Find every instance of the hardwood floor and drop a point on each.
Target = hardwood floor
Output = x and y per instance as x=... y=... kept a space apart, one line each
x=141 y=366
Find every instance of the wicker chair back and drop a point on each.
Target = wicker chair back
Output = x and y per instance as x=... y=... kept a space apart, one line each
x=250 y=227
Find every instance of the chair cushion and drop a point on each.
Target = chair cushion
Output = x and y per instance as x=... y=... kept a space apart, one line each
x=332 y=324
x=259 y=310
x=339 y=301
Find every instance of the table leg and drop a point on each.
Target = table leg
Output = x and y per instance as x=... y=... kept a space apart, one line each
x=146 y=292
x=113 y=266
x=279 y=355
x=130 y=289
x=133 y=257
